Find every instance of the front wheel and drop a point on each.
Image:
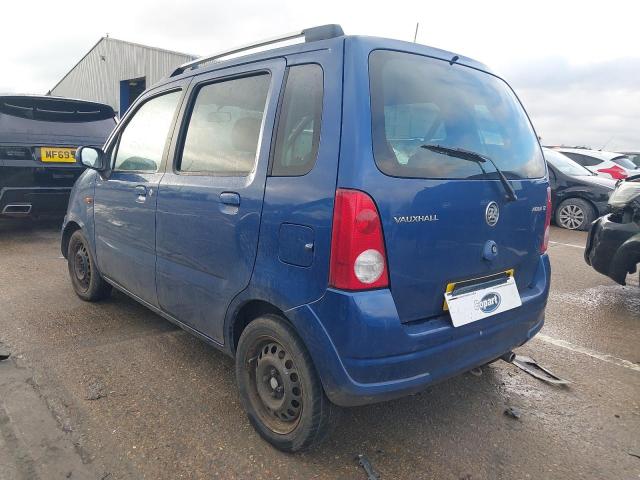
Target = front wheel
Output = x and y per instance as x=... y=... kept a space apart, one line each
x=279 y=386
x=575 y=214
x=85 y=277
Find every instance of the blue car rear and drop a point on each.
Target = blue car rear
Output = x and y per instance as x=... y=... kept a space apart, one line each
x=307 y=209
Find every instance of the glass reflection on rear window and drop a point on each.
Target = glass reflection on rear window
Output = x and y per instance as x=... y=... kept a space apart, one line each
x=418 y=101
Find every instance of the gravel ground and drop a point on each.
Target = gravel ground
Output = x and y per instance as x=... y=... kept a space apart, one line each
x=119 y=393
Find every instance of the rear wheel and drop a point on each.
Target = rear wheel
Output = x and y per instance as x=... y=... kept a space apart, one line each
x=279 y=386
x=85 y=277
x=575 y=214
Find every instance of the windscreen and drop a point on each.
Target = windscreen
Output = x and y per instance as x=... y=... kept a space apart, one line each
x=565 y=164
x=54 y=109
x=418 y=101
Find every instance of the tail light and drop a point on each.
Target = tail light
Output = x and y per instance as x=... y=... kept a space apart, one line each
x=616 y=172
x=547 y=223
x=358 y=257
x=16 y=153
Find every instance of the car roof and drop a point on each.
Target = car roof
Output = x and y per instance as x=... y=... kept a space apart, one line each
x=364 y=42
x=599 y=154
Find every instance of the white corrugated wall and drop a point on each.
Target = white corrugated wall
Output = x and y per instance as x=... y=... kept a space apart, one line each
x=97 y=76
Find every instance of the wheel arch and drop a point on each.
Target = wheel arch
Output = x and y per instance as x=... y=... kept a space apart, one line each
x=71 y=227
x=244 y=314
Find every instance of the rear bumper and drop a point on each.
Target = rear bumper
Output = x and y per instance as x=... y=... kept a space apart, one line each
x=613 y=248
x=364 y=354
x=24 y=201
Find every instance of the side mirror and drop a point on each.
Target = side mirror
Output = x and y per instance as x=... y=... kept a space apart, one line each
x=91 y=157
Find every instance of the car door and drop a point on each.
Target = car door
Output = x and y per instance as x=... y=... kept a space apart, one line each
x=210 y=199
x=125 y=199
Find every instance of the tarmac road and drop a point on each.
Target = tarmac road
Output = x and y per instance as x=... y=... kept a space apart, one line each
x=112 y=391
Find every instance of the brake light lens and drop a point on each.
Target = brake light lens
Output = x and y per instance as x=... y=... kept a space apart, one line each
x=616 y=172
x=16 y=153
x=547 y=223
x=358 y=257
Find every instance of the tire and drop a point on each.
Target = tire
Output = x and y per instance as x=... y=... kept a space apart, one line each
x=279 y=387
x=575 y=214
x=85 y=277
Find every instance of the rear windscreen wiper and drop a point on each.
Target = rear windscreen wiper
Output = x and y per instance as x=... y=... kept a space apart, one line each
x=474 y=157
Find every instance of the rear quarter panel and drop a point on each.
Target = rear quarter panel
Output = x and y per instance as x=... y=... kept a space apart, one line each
x=305 y=201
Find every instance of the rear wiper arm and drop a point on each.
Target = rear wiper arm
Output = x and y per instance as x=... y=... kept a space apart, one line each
x=474 y=157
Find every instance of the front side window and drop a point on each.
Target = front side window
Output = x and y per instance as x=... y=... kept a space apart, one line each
x=144 y=137
x=224 y=127
x=299 y=125
x=418 y=101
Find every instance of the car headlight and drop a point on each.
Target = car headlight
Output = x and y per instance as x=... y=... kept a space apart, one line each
x=624 y=194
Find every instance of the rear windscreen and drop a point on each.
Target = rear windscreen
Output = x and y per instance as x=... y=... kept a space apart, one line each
x=419 y=101
x=54 y=109
x=624 y=162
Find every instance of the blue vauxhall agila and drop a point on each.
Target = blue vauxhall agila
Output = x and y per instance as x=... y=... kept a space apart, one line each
x=351 y=218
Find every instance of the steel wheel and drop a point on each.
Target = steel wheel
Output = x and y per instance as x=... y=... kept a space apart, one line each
x=279 y=386
x=275 y=386
x=571 y=216
x=82 y=266
x=83 y=271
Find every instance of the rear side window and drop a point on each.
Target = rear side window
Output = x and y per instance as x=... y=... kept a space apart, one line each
x=418 y=101
x=144 y=137
x=583 y=160
x=299 y=124
x=224 y=127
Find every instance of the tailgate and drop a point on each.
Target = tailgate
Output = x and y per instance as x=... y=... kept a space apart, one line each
x=440 y=232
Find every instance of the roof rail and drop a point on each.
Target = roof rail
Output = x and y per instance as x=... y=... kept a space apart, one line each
x=313 y=34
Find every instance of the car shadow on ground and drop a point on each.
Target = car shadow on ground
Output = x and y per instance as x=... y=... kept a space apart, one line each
x=452 y=412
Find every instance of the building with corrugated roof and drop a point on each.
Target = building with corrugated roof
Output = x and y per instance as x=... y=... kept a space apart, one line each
x=115 y=72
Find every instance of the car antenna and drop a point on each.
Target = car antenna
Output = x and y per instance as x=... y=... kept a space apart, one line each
x=607 y=143
x=415 y=35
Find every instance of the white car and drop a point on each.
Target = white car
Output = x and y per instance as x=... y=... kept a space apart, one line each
x=605 y=164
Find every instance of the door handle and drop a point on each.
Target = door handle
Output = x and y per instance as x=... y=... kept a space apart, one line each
x=141 y=193
x=230 y=198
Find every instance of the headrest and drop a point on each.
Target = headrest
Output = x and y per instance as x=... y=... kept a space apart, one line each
x=244 y=136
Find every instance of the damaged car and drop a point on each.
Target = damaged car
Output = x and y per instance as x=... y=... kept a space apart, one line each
x=613 y=245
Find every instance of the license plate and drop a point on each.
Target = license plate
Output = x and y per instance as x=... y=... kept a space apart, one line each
x=472 y=305
x=57 y=155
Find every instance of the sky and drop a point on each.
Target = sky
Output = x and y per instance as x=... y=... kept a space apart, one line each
x=574 y=64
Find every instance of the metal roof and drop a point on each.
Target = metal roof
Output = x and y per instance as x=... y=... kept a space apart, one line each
x=102 y=39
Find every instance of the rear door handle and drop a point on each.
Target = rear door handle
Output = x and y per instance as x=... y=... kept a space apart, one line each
x=230 y=198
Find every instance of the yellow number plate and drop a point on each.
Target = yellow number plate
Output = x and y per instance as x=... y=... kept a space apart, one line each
x=57 y=155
